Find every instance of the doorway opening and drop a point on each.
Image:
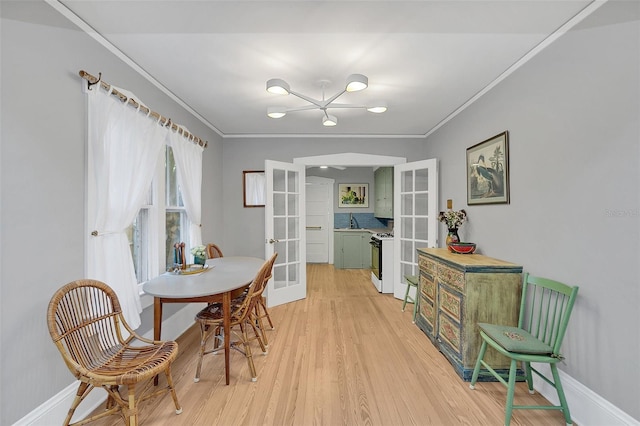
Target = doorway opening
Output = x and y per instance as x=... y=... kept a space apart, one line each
x=341 y=162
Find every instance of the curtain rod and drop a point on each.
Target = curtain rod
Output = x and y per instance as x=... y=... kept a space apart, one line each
x=163 y=121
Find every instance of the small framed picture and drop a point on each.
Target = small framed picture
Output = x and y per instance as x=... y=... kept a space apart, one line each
x=353 y=195
x=488 y=171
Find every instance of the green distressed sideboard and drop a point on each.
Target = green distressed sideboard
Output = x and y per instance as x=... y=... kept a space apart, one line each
x=457 y=291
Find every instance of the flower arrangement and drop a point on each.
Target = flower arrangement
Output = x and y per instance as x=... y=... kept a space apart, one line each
x=199 y=251
x=452 y=218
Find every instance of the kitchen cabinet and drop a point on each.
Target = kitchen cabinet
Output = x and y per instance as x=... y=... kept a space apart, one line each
x=457 y=291
x=352 y=249
x=383 y=185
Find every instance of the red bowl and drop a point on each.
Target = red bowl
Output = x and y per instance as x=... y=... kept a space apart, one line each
x=462 y=248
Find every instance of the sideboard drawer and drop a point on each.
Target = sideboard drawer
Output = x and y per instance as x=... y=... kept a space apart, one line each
x=451 y=277
x=427 y=265
x=451 y=303
x=450 y=332
x=428 y=313
x=428 y=287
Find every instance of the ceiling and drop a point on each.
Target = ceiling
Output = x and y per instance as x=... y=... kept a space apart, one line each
x=426 y=59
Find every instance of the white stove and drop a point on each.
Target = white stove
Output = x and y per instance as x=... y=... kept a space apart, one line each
x=382 y=261
x=383 y=235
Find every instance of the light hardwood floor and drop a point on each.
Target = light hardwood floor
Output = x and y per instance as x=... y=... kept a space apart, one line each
x=345 y=355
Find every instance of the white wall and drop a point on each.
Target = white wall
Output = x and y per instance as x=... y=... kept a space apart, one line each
x=42 y=169
x=572 y=113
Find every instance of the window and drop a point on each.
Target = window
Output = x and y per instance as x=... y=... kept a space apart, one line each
x=163 y=212
x=177 y=222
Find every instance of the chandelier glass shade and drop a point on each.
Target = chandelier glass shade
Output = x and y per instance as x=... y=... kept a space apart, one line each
x=354 y=83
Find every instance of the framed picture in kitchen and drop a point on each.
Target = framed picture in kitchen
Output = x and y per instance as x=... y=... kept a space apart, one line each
x=488 y=171
x=353 y=195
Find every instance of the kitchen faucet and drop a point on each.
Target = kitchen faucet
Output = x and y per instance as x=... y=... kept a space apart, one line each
x=353 y=223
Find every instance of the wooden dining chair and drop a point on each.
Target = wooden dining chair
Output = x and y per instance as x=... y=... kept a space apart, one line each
x=545 y=309
x=213 y=251
x=243 y=317
x=86 y=324
x=262 y=313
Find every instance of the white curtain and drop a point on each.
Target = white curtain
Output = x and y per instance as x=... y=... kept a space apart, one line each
x=188 y=158
x=124 y=146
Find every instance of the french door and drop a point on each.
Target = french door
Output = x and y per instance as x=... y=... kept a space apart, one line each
x=415 y=216
x=285 y=219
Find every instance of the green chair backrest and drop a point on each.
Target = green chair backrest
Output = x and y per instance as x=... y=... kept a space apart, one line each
x=545 y=309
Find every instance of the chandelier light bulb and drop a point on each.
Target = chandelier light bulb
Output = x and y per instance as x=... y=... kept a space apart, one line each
x=278 y=86
x=377 y=107
x=329 y=121
x=356 y=82
x=276 y=112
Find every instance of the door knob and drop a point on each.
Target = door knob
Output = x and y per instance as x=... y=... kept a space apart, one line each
x=271 y=241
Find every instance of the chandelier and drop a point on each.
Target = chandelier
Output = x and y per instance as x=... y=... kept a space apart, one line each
x=355 y=83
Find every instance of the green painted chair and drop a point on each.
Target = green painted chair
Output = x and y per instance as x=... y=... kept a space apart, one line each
x=412 y=281
x=544 y=315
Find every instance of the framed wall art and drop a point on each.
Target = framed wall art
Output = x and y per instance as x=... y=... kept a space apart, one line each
x=253 y=188
x=488 y=171
x=353 y=195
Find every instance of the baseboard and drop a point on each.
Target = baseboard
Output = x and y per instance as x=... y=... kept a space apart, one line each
x=587 y=407
x=54 y=410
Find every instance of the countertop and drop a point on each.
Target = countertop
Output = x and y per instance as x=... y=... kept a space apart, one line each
x=371 y=230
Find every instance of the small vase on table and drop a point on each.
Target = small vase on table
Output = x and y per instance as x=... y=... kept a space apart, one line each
x=452 y=236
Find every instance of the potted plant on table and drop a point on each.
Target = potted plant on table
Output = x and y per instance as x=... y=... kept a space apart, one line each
x=199 y=255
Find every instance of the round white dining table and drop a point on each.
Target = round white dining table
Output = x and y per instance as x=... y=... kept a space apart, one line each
x=223 y=279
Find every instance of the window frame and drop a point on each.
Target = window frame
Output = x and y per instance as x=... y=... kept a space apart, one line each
x=156 y=220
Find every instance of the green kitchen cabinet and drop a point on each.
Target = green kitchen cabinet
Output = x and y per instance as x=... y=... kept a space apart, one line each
x=383 y=184
x=352 y=249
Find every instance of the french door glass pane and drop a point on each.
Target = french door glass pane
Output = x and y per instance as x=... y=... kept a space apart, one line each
x=279 y=180
x=279 y=228
x=293 y=227
x=422 y=204
x=280 y=248
x=406 y=201
x=292 y=178
x=422 y=180
x=407 y=248
x=293 y=251
x=294 y=275
x=422 y=229
x=407 y=228
x=406 y=181
x=293 y=204
x=279 y=206
x=279 y=276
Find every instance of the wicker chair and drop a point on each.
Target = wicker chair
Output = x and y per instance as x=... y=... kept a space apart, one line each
x=86 y=324
x=213 y=251
x=261 y=313
x=243 y=316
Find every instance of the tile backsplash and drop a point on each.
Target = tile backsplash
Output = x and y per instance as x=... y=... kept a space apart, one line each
x=363 y=220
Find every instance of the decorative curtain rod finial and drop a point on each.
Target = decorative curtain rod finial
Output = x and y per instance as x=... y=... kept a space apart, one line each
x=89 y=83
